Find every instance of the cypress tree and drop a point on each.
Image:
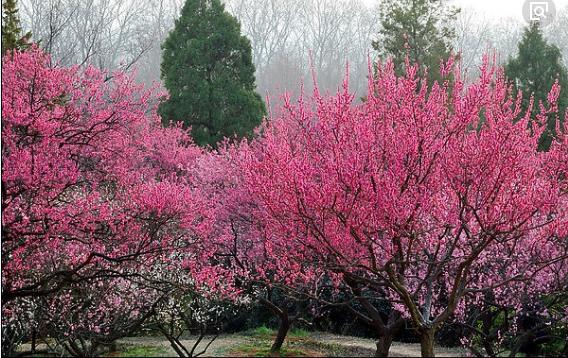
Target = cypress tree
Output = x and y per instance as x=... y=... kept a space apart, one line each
x=11 y=30
x=534 y=70
x=419 y=29
x=207 y=68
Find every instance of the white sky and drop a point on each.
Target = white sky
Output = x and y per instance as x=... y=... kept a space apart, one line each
x=495 y=9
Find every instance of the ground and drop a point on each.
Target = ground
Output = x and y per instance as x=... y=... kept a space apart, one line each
x=257 y=343
x=299 y=343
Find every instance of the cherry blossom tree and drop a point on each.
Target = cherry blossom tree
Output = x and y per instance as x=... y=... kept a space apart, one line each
x=238 y=233
x=260 y=269
x=86 y=319
x=93 y=188
x=533 y=329
x=433 y=196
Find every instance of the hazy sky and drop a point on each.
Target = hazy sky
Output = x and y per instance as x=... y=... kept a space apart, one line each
x=502 y=8
x=495 y=9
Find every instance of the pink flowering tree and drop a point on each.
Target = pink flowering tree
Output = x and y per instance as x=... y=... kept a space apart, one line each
x=538 y=307
x=239 y=240
x=536 y=327
x=434 y=195
x=537 y=319
x=93 y=188
x=86 y=319
x=280 y=276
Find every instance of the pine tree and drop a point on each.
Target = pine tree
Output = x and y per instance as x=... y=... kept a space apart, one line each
x=535 y=69
x=419 y=29
x=11 y=30
x=207 y=68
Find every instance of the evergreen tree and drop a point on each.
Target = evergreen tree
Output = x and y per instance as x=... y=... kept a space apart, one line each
x=535 y=69
x=421 y=29
x=207 y=68
x=11 y=30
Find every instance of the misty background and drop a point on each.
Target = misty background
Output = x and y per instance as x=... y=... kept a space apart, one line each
x=284 y=34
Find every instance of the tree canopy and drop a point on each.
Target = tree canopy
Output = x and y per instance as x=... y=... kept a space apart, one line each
x=421 y=30
x=537 y=66
x=207 y=68
x=12 y=37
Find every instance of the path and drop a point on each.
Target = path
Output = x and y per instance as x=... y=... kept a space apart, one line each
x=397 y=349
x=358 y=346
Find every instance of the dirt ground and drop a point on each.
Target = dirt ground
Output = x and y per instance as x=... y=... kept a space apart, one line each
x=353 y=346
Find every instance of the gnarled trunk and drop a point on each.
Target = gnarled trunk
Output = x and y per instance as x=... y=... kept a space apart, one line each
x=427 y=342
x=34 y=339
x=283 y=329
x=386 y=331
x=383 y=346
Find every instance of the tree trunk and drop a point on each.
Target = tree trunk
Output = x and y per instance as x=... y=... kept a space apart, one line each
x=383 y=346
x=427 y=342
x=282 y=331
x=283 y=328
x=33 y=340
x=386 y=332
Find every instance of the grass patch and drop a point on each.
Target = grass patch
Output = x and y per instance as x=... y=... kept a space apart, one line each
x=140 y=351
x=337 y=350
x=261 y=339
x=299 y=333
x=262 y=331
x=262 y=349
x=265 y=332
x=298 y=343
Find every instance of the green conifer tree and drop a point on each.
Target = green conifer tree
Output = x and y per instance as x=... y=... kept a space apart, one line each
x=11 y=30
x=207 y=68
x=421 y=29
x=534 y=70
